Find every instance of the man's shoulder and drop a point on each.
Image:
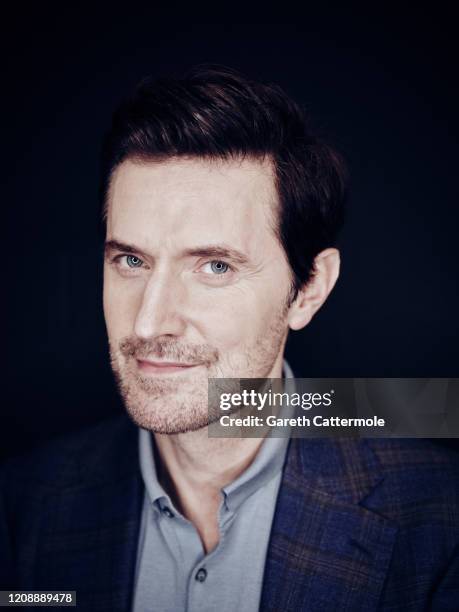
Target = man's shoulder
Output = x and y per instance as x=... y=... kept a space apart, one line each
x=52 y=497
x=415 y=457
x=390 y=473
x=415 y=474
x=397 y=451
x=105 y=449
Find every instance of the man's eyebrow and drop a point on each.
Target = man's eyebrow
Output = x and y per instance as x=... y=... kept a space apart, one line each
x=115 y=245
x=218 y=252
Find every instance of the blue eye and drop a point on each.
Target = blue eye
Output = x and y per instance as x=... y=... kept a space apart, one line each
x=219 y=267
x=133 y=261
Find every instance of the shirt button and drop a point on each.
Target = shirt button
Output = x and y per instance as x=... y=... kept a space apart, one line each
x=201 y=574
x=168 y=512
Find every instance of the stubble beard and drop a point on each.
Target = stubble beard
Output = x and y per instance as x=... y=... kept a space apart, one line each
x=179 y=404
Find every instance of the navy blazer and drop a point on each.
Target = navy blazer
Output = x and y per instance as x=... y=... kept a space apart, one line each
x=360 y=525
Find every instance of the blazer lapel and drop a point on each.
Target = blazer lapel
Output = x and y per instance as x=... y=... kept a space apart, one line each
x=88 y=539
x=327 y=552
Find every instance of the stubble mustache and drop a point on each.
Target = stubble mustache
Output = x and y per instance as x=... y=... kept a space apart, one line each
x=168 y=350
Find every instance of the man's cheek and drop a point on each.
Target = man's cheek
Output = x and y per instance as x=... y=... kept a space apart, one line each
x=120 y=312
x=226 y=322
x=233 y=342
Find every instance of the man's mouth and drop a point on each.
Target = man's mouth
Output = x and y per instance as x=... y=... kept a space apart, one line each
x=148 y=366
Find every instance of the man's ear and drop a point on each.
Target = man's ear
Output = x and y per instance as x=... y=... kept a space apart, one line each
x=311 y=297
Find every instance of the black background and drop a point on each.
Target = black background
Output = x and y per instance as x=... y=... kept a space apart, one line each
x=381 y=86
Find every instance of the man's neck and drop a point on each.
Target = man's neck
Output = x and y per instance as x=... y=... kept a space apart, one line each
x=195 y=467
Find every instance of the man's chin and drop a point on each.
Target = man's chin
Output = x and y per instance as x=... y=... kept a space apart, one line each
x=164 y=404
x=168 y=413
x=166 y=424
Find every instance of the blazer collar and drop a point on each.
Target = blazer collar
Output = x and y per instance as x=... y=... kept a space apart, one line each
x=326 y=550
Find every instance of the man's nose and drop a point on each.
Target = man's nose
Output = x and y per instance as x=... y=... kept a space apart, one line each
x=160 y=313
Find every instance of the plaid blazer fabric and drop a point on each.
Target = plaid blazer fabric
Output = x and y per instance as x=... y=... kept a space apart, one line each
x=360 y=525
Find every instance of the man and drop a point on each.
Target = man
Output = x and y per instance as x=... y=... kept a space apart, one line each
x=222 y=212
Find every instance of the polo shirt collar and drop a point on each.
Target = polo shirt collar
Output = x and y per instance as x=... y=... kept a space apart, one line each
x=267 y=464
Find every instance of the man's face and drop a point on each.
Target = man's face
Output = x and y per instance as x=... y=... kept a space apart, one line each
x=196 y=284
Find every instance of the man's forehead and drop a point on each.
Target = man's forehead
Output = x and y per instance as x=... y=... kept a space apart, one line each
x=186 y=179
x=235 y=198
